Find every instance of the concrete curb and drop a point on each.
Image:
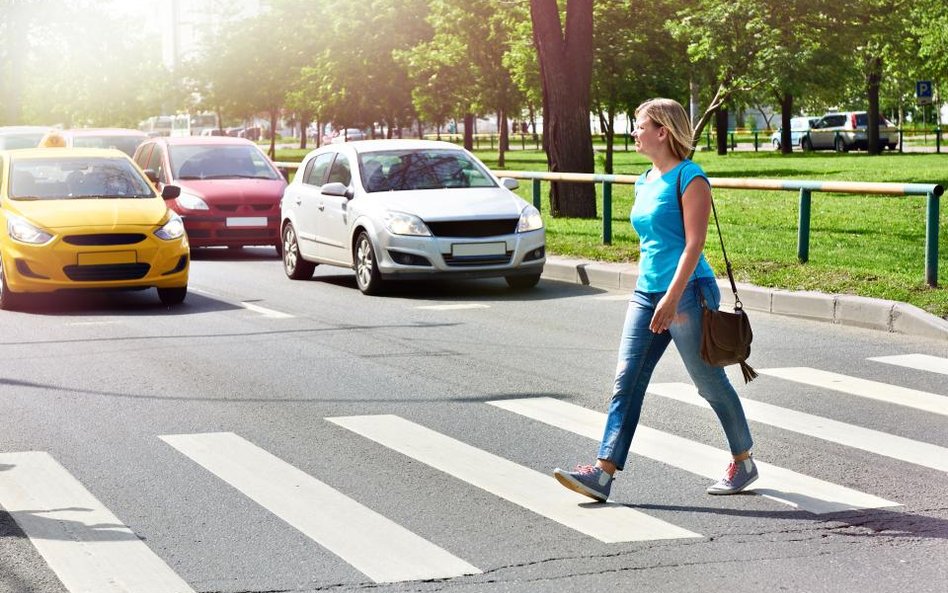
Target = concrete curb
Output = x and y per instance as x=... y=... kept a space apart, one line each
x=843 y=309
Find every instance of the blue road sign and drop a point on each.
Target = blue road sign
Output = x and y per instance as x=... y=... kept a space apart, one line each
x=923 y=92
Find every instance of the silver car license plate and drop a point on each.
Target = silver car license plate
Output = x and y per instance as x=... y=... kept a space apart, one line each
x=472 y=249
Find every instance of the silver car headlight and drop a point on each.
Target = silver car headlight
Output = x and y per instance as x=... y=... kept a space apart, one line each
x=190 y=201
x=401 y=223
x=530 y=220
x=24 y=232
x=173 y=229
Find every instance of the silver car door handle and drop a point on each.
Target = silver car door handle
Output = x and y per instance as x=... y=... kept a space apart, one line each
x=322 y=207
x=299 y=201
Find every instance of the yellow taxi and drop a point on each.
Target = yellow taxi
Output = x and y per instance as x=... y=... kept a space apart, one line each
x=77 y=218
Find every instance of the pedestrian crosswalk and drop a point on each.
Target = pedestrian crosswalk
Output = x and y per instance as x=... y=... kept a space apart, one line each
x=90 y=549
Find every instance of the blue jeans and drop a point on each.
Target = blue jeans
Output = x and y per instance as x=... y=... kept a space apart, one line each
x=639 y=352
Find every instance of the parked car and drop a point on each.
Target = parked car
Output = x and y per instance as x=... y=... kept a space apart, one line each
x=126 y=140
x=116 y=232
x=349 y=135
x=799 y=126
x=12 y=137
x=846 y=130
x=408 y=209
x=230 y=191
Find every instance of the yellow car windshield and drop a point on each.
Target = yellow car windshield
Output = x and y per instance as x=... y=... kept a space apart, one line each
x=76 y=177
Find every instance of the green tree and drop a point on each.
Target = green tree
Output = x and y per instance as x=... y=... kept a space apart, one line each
x=633 y=52
x=463 y=69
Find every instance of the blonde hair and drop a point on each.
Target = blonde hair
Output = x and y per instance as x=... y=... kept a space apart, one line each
x=669 y=114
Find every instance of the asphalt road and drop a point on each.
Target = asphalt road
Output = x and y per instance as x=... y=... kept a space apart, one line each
x=273 y=435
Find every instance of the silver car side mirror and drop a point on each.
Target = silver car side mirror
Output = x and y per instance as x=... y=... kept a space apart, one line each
x=510 y=183
x=336 y=189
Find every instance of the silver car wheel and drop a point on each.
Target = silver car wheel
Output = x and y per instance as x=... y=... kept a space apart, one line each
x=366 y=268
x=294 y=265
x=290 y=250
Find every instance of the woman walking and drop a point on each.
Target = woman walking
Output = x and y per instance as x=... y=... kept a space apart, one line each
x=670 y=214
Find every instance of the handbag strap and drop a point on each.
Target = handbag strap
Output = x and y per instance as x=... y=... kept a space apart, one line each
x=727 y=263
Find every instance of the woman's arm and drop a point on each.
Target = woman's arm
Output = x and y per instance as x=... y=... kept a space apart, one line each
x=696 y=209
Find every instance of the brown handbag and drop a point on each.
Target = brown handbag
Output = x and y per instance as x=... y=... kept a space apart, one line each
x=725 y=337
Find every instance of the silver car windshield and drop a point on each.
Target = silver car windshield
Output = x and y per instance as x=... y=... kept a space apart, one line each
x=76 y=177
x=414 y=169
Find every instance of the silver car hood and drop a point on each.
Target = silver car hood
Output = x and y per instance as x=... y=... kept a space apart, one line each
x=451 y=204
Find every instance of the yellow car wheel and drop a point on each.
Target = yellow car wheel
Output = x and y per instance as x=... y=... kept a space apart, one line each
x=172 y=296
x=9 y=300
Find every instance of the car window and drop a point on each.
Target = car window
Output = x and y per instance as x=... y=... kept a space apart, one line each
x=141 y=155
x=76 y=177
x=156 y=162
x=219 y=161
x=126 y=144
x=340 y=172
x=414 y=169
x=26 y=140
x=320 y=166
x=832 y=121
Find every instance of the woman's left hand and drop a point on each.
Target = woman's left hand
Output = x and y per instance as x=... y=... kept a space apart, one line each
x=664 y=315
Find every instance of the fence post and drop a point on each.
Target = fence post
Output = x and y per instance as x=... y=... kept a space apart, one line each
x=900 y=139
x=607 y=213
x=931 y=240
x=755 y=140
x=938 y=139
x=803 y=229
x=536 y=194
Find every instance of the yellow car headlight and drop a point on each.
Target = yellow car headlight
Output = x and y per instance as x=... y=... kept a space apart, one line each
x=23 y=231
x=173 y=229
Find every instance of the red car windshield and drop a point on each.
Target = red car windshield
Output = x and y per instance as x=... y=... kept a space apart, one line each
x=205 y=161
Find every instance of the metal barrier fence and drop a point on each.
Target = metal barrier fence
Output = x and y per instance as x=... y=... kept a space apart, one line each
x=806 y=189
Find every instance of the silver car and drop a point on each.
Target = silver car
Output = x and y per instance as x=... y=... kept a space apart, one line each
x=846 y=130
x=408 y=209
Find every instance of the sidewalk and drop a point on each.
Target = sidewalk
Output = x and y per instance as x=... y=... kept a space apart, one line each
x=890 y=316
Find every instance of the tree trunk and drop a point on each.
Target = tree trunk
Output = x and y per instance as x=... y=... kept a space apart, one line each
x=503 y=144
x=720 y=132
x=469 y=131
x=786 y=111
x=607 y=122
x=874 y=79
x=274 y=113
x=304 y=125
x=566 y=60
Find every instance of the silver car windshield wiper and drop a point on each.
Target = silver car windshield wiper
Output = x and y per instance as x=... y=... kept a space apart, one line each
x=27 y=198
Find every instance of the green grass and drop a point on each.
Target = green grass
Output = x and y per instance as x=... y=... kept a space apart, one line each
x=871 y=246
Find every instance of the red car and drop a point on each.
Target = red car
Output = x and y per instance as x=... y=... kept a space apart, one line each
x=230 y=190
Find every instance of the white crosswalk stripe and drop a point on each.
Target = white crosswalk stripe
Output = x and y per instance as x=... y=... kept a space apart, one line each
x=833 y=431
x=379 y=548
x=798 y=490
x=88 y=547
x=893 y=394
x=91 y=551
x=921 y=362
x=520 y=485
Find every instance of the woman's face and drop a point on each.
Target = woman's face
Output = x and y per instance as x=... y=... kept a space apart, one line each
x=647 y=135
